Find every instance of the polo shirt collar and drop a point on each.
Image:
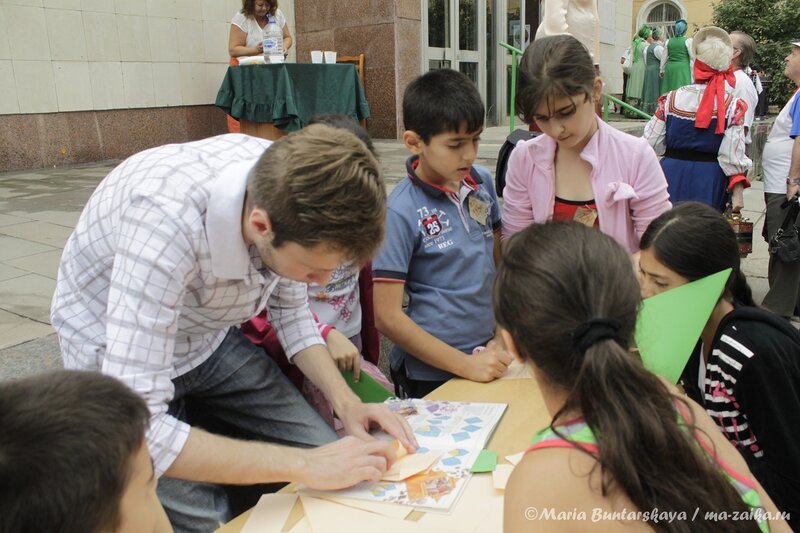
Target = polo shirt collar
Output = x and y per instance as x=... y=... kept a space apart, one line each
x=473 y=179
x=230 y=255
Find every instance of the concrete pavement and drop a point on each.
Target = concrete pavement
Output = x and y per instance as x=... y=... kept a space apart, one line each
x=39 y=208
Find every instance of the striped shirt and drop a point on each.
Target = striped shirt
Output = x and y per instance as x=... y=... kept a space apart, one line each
x=751 y=389
x=157 y=270
x=725 y=363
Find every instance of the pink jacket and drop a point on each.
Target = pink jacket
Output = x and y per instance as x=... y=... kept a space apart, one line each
x=630 y=189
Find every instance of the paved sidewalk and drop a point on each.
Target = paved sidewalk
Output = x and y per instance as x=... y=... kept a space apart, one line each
x=39 y=208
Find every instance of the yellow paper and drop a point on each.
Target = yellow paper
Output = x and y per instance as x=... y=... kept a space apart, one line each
x=409 y=465
x=500 y=476
x=270 y=513
x=516 y=458
x=301 y=527
x=329 y=517
x=480 y=508
x=392 y=510
x=517 y=370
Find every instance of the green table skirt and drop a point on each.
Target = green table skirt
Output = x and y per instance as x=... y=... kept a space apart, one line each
x=288 y=95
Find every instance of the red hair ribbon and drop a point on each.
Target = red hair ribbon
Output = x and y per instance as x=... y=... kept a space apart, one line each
x=715 y=90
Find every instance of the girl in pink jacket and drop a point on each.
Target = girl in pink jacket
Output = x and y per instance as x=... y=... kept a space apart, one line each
x=580 y=169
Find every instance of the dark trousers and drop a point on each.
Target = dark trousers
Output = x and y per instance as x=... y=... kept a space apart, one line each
x=406 y=387
x=784 y=278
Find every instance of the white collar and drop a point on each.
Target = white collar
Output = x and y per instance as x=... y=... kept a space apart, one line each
x=230 y=255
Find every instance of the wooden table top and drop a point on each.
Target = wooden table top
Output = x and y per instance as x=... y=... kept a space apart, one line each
x=525 y=414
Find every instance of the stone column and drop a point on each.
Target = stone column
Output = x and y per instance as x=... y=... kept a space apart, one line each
x=387 y=32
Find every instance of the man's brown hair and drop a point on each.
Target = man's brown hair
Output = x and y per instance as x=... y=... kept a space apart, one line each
x=321 y=185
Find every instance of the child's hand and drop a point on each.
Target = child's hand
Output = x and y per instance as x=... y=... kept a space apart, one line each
x=488 y=364
x=344 y=353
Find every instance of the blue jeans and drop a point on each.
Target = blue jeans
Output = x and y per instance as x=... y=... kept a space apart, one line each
x=239 y=392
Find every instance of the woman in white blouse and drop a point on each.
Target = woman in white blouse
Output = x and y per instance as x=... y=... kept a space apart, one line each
x=247 y=27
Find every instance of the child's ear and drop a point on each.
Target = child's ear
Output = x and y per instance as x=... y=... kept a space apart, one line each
x=510 y=345
x=597 y=89
x=413 y=142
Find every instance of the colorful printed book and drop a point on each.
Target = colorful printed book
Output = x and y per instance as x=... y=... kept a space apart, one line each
x=456 y=430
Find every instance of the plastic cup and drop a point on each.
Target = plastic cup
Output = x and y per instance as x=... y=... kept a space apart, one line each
x=316 y=56
x=330 y=57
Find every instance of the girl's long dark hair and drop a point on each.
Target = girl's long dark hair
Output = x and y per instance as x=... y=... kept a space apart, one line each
x=550 y=68
x=554 y=278
x=693 y=240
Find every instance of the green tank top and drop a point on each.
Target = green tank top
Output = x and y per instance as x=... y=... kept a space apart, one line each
x=578 y=433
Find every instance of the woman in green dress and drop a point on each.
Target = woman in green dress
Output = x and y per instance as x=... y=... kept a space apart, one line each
x=676 y=61
x=636 y=77
x=652 y=72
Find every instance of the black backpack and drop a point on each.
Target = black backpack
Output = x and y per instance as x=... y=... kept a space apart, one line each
x=505 y=153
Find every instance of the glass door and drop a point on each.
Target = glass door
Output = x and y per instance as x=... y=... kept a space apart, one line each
x=454 y=31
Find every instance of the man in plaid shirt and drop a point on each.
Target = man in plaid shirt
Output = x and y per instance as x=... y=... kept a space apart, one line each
x=180 y=243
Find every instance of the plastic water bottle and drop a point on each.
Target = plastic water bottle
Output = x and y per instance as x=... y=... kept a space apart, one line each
x=273 y=42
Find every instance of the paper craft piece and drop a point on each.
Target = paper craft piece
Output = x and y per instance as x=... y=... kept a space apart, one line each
x=411 y=465
x=391 y=510
x=270 y=513
x=517 y=370
x=500 y=476
x=302 y=526
x=399 y=450
x=329 y=517
x=669 y=324
x=480 y=509
x=486 y=462
x=516 y=458
x=457 y=431
x=367 y=388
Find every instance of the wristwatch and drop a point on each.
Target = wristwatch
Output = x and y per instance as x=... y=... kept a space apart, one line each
x=792 y=181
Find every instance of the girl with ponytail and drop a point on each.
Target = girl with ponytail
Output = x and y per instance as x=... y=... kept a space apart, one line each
x=746 y=368
x=621 y=440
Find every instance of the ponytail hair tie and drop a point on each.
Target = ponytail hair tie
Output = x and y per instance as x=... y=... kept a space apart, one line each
x=592 y=331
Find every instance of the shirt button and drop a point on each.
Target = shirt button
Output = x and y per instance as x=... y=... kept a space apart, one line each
x=754 y=447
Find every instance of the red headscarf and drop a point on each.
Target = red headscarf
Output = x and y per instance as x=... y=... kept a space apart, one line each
x=715 y=90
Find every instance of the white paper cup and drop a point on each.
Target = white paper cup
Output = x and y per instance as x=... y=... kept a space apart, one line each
x=330 y=57
x=316 y=56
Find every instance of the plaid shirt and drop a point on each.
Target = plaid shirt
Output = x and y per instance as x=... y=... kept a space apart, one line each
x=157 y=270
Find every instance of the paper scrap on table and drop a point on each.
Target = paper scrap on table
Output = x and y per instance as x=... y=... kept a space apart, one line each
x=486 y=462
x=270 y=513
x=410 y=465
x=329 y=517
x=480 y=508
x=669 y=324
x=516 y=458
x=392 y=510
x=500 y=476
x=302 y=526
x=517 y=370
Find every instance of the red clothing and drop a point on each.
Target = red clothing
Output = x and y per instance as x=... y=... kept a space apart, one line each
x=564 y=210
x=261 y=333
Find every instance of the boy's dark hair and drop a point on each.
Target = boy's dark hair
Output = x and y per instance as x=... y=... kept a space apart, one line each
x=694 y=241
x=554 y=279
x=321 y=185
x=553 y=67
x=67 y=443
x=338 y=120
x=442 y=101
